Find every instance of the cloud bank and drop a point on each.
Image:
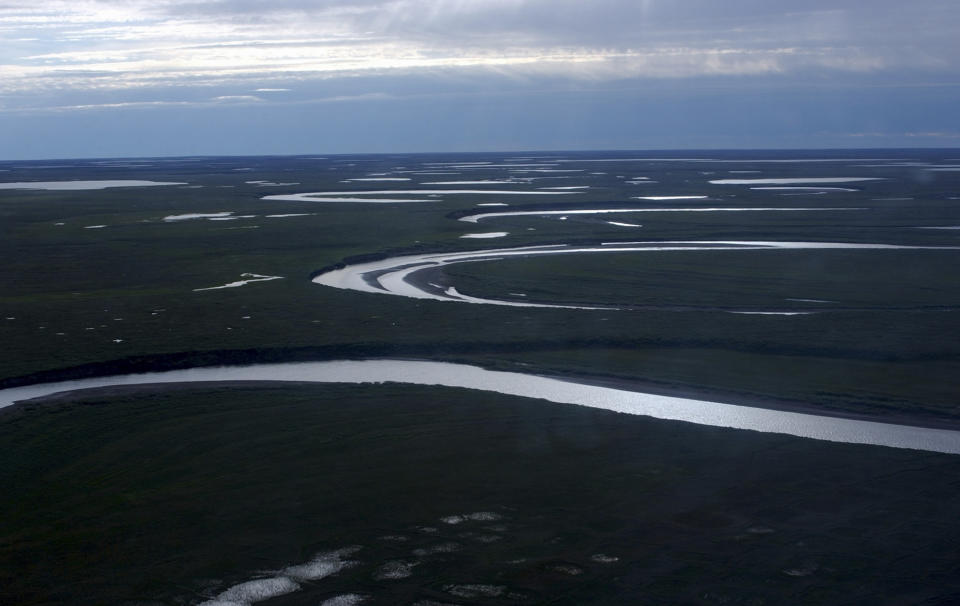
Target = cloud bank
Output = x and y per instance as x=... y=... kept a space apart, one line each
x=97 y=46
x=60 y=57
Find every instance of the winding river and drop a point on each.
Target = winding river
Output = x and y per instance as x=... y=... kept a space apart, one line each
x=533 y=386
x=397 y=275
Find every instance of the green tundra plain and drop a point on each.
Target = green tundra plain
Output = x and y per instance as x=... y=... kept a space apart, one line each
x=174 y=495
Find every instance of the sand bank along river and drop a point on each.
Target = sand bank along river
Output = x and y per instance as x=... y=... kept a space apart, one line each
x=554 y=390
x=394 y=275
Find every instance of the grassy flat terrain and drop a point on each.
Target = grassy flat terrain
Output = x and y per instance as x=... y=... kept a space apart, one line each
x=168 y=497
x=171 y=496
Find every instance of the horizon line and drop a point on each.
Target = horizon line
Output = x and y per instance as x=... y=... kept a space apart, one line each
x=494 y=151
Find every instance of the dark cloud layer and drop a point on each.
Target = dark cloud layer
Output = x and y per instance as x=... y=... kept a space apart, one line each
x=736 y=72
x=921 y=23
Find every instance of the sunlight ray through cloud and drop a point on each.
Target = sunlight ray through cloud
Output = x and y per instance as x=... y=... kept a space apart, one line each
x=94 y=43
x=174 y=57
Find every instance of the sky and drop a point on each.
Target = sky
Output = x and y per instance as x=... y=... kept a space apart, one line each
x=119 y=78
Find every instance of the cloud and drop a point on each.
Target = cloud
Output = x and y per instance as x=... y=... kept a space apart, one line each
x=353 y=98
x=98 y=106
x=221 y=100
x=237 y=99
x=103 y=53
x=908 y=135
